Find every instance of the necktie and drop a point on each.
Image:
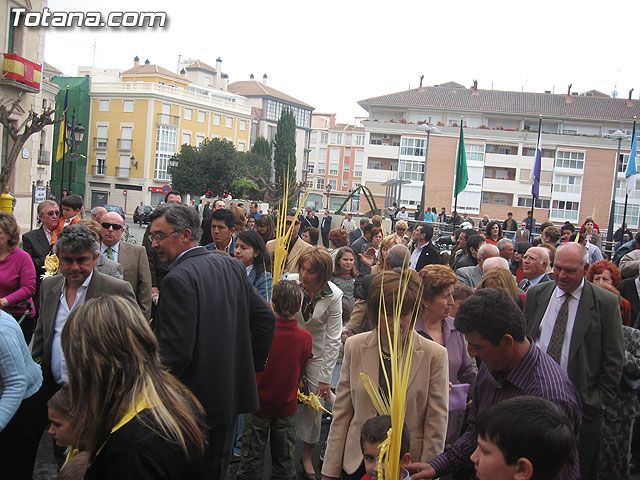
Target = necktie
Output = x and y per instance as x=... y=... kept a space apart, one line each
x=525 y=285
x=109 y=253
x=559 y=330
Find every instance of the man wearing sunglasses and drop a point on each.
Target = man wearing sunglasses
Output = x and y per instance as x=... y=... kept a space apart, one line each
x=133 y=258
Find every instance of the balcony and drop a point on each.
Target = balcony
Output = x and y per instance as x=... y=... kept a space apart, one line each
x=122 y=172
x=20 y=73
x=100 y=143
x=383 y=151
x=98 y=170
x=124 y=144
x=163 y=119
x=44 y=158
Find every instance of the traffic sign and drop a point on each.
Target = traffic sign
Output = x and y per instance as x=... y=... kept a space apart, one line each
x=124 y=192
x=41 y=194
x=166 y=188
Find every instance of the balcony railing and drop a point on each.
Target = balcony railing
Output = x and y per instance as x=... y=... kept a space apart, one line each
x=98 y=169
x=122 y=172
x=100 y=142
x=124 y=144
x=163 y=119
x=44 y=158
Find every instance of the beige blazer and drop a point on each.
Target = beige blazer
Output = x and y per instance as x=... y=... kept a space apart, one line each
x=427 y=402
x=298 y=249
x=135 y=266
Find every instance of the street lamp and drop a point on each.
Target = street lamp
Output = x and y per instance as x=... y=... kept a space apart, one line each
x=328 y=193
x=75 y=134
x=425 y=127
x=619 y=136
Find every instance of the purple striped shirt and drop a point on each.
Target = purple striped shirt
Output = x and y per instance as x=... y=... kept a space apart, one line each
x=536 y=375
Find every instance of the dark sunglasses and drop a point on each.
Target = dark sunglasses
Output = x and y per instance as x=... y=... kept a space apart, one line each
x=53 y=212
x=115 y=226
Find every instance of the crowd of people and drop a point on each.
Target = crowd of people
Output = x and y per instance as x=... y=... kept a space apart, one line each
x=175 y=358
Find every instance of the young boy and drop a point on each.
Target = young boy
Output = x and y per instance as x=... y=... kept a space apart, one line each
x=71 y=206
x=277 y=389
x=523 y=438
x=373 y=433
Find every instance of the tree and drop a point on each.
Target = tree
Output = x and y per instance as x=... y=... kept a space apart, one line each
x=207 y=167
x=33 y=123
x=244 y=184
x=189 y=176
x=262 y=147
x=284 y=157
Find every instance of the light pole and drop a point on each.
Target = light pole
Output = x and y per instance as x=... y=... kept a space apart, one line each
x=425 y=127
x=619 y=136
x=75 y=133
x=172 y=164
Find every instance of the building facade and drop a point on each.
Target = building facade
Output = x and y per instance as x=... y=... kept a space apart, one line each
x=23 y=74
x=139 y=121
x=500 y=132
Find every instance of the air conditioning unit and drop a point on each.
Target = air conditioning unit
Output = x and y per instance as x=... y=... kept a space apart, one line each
x=386 y=137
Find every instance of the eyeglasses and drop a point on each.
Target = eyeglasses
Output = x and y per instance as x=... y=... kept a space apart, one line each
x=53 y=212
x=115 y=226
x=158 y=238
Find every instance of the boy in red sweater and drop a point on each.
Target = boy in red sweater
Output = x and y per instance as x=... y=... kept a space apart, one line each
x=277 y=389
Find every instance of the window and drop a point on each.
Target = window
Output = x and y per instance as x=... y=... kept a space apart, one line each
x=322 y=154
x=413 y=146
x=345 y=185
x=502 y=149
x=216 y=119
x=474 y=152
x=356 y=185
x=228 y=122
x=199 y=140
x=165 y=148
x=187 y=113
x=243 y=125
x=494 y=198
x=335 y=154
x=125 y=138
x=374 y=165
x=375 y=141
x=101 y=164
x=201 y=116
x=359 y=140
x=357 y=173
x=127 y=106
x=500 y=173
x=333 y=183
x=540 y=202
x=241 y=146
x=320 y=183
x=310 y=168
x=333 y=169
x=348 y=139
x=546 y=152
x=359 y=156
x=347 y=152
x=346 y=167
x=186 y=138
x=104 y=105
x=456 y=123
x=336 y=138
x=324 y=138
x=101 y=139
x=321 y=170
x=566 y=159
x=567 y=184
x=564 y=210
x=313 y=138
x=633 y=214
x=302 y=116
x=411 y=170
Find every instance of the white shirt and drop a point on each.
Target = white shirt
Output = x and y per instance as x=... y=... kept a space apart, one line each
x=549 y=320
x=58 y=365
x=402 y=215
x=416 y=255
x=349 y=225
x=114 y=251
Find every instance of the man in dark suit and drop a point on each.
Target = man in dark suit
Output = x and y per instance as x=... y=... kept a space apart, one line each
x=629 y=290
x=534 y=267
x=37 y=243
x=424 y=253
x=357 y=233
x=325 y=228
x=578 y=324
x=363 y=240
x=77 y=248
x=213 y=327
x=133 y=258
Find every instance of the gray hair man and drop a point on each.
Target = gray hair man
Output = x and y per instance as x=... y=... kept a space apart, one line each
x=209 y=317
x=505 y=247
x=534 y=267
x=472 y=276
x=97 y=213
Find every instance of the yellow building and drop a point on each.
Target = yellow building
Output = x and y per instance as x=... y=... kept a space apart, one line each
x=139 y=121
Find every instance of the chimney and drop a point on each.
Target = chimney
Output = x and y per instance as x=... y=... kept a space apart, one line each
x=183 y=72
x=136 y=62
x=264 y=79
x=420 y=89
x=147 y=62
x=226 y=81
x=475 y=88
x=568 y=98
x=629 y=100
x=219 y=66
x=251 y=77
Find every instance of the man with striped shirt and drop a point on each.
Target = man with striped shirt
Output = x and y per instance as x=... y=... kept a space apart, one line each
x=512 y=366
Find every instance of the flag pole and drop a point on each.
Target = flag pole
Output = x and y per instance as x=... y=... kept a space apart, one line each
x=64 y=145
x=626 y=195
x=455 y=184
x=534 y=197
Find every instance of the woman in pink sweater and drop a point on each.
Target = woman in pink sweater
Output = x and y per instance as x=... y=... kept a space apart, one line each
x=17 y=274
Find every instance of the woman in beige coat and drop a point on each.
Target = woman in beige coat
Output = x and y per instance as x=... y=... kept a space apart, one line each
x=427 y=394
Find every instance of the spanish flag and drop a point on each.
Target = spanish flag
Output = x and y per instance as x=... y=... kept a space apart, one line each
x=62 y=133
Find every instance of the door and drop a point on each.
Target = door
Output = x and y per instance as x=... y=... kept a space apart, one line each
x=99 y=198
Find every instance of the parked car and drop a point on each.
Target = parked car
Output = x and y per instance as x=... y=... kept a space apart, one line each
x=145 y=215
x=115 y=208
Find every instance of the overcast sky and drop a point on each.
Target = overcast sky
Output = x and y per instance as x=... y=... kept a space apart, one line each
x=331 y=54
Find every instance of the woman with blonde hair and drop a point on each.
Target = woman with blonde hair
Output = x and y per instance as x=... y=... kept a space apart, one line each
x=502 y=278
x=134 y=418
x=436 y=323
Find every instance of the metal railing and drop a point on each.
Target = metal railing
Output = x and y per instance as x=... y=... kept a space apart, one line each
x=44 y=158
x=98 y=169
x=100 y=142
x=123 y=172
x=124 y=144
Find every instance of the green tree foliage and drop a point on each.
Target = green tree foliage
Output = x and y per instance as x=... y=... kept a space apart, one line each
x=262 y=147
x=244 y=185
x=210 y=166
x=284 y=157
